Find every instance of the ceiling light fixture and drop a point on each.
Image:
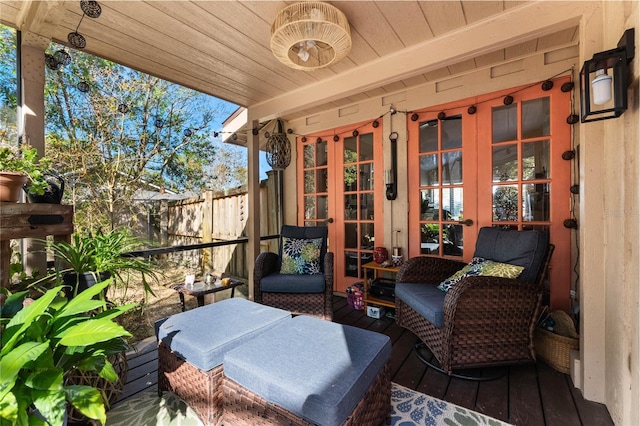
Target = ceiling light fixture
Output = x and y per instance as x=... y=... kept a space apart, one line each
x=310 y=35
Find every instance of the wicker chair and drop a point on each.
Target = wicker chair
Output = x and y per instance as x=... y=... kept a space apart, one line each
x=482 y=321
x=298 y=294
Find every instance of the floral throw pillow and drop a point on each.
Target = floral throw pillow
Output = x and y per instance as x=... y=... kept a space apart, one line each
x=472 y=268
x=301 y=256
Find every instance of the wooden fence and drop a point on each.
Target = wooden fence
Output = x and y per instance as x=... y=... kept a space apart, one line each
x=219 y=216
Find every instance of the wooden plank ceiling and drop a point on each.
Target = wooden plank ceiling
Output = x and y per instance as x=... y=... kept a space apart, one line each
x=222 y=47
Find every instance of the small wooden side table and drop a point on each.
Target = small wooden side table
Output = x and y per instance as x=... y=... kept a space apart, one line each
x=376 y=268
x=200 y=288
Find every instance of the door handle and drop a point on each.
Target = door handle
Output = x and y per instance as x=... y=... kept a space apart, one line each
x=466 y=222
x=330 y=220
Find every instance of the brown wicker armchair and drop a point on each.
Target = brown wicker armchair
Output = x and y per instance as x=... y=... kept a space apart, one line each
x=300 y=294
x=483 y=320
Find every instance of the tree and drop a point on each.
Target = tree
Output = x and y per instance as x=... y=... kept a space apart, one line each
x=113 y=130
x=8 y=86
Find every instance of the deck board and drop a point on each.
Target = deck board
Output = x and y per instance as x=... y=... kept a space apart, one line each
x=527 y=395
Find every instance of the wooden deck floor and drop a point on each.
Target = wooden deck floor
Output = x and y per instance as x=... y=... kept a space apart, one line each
x=526 y=395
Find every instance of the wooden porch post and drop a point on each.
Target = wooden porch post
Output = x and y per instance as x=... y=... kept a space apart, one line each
x=253 y=220
x=31 y=123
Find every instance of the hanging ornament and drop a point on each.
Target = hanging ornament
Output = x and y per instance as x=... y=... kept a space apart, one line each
x=63 y=57
x=159 y=123
x=83 y=86
x=278 y=149
x=77 y=40
x=51 y=62
x=123 y=108
x=187 y=133
x=90 y=8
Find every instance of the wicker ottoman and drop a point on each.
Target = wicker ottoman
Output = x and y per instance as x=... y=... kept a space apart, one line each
x=309 y=371
x=192 y=345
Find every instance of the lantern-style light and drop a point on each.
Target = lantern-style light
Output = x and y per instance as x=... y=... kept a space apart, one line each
x=278 y=148
x=604 y=80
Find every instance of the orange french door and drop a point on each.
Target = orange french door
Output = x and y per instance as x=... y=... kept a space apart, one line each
x=342 y=187
x=503 y=167
x=442 y=178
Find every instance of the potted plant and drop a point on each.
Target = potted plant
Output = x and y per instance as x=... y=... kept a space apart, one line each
x=94 y=257
x=19 y=167
x=44 y=341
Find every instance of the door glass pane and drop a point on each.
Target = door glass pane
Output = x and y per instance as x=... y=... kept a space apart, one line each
x=323 y=207
x=429 y=136
x=535 y=160
x=367 y=236
x=366 y=176
x=351 y=207
x=351 y=235
x=535 y=118
x=427 y=210
x=351 y=263
x=309 y=182
x=309 y=207
x=453 y=244
x=366 y=147
x=452 y=168
x=350 y=178
x=452 y=236
x=350 y=150
x=321 y=153
x=429 y=238
x=321 y=180
x=452 y=203
x=452 y=133
x=308 y=156
x=504 y=123
x=366 y=206
x=505 y=163
x=505 y=203
x=535 y=202
x=429 y=170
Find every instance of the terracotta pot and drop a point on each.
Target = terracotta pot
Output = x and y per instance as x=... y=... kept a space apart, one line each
x=380 y=254
x=11 y=186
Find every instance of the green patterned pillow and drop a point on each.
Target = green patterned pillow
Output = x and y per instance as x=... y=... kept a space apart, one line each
x=300 y=256
x=471 y=268
x=489 y=268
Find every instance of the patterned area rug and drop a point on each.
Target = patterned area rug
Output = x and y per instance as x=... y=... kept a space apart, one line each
x=408 y=408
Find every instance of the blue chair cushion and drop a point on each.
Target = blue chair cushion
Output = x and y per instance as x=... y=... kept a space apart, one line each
x=316 y=369
x=426 y=299
x=522 y=248
x=203 y=335
x=285 y=283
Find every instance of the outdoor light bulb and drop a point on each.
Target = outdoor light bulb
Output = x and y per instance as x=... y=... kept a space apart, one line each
x=601 y=87
x=303 y=54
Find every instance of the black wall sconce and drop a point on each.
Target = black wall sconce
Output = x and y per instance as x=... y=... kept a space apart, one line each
x=391 y=176
x=604 y=95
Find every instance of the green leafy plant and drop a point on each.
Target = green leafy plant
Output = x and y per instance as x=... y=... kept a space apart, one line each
x=25 y=160
x=44 y=342
x=101 y=252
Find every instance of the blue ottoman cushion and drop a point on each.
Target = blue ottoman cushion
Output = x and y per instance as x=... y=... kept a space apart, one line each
x=316 y=369
x=426 y=299
x=203 y=335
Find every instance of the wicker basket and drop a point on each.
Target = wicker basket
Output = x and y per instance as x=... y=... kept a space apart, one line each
x=355 y=301
x=554 y=349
